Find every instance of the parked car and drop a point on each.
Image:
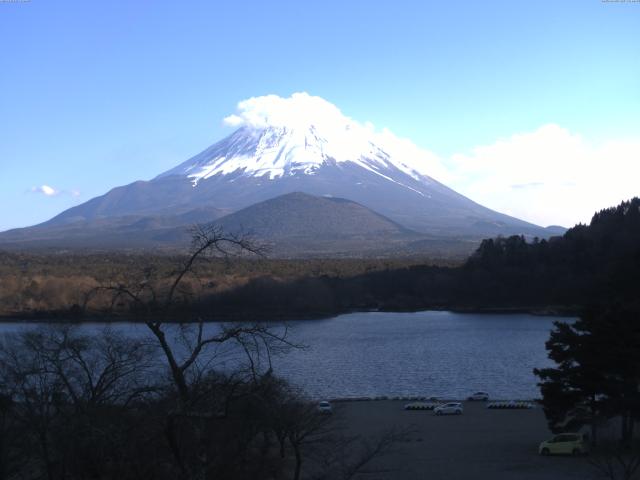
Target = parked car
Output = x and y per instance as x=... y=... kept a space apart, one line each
x=565 y=444
x=479 y=396
x=452 y=408
x=325 y=407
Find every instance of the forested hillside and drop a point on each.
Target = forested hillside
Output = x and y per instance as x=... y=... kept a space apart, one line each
x=594 y=263
x=590 y=263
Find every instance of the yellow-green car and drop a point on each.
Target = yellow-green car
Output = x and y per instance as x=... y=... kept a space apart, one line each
x=565 y=444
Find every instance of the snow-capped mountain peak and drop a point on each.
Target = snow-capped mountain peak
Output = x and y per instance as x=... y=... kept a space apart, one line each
x=298 y=136
x=284 y=151
x=279 y=151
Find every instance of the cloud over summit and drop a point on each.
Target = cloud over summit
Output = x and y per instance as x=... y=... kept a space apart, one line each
x=300 y=109
x=547 y=176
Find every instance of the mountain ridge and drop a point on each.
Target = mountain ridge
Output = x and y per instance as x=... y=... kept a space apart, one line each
x=254 y=164
x=294 y=225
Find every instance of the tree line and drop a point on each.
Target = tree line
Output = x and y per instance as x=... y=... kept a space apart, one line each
x=598 y=262
x=589 y=262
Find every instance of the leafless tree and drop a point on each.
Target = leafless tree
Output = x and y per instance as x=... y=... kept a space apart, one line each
x=105 y=368
x=160 y=309
x=344 y=457
x=617 y=462
x=10 y=433
x=37 y=392
x=320 y=448
x=63 y=386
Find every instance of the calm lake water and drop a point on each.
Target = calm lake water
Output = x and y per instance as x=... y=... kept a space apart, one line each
x=404 y=354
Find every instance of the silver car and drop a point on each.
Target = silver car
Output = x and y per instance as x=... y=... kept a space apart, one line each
x=479 y=396
x=451 y=408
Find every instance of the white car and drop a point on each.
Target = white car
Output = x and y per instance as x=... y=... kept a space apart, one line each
x=452 y=408
x=325 y=407
x=480 y=396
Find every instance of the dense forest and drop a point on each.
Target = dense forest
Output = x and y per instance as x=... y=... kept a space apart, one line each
x=34 y=285
x=589 y=264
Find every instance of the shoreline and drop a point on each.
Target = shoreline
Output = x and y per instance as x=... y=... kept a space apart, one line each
x=68 y=317
x=437 y=400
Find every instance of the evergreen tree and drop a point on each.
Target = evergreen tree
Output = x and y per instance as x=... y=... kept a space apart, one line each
x=598 y=371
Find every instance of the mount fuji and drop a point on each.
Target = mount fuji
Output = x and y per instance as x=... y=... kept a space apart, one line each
x=307 y=146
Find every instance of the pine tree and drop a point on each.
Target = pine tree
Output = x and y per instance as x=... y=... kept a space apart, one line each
x=598 y=371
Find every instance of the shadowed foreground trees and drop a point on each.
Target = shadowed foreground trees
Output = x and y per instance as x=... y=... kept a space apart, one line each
x=598 y=372
x=78 y=406
x=614 y=462
x=72 y=399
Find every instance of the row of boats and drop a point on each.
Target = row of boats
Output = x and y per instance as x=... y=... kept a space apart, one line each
x=510 y=404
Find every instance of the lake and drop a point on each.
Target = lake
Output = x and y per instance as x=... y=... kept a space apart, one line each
x=427 y=353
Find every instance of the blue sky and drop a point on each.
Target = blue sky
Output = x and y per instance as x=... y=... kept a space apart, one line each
x=99 y=94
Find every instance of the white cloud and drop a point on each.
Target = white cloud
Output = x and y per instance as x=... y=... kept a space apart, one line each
x=49 y=191
x=300 y=109
x=419 y=159
x=548 y=176
x=45 y=190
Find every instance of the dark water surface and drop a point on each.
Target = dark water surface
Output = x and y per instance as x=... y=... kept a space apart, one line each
x=404 y=354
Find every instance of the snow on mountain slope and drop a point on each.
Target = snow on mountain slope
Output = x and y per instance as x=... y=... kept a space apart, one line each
x=308 y=134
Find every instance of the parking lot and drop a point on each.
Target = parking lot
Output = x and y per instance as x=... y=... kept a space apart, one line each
x=480 y=444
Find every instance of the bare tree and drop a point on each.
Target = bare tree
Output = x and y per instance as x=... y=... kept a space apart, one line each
x=10 y=459
x=320 y=448
x=38 y=394
x=69 y=393
x=344 y=457
x=158 y=309
x=105 y=368
x=617 y=462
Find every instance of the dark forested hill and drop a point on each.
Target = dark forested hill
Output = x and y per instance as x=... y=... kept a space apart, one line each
x=599 y=262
